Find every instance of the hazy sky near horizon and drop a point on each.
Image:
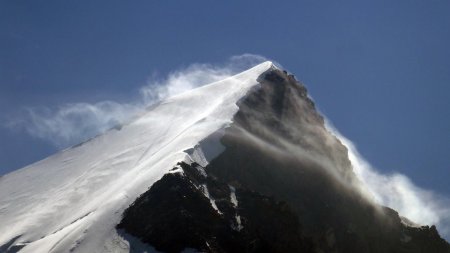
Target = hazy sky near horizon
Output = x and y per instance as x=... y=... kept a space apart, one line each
x=379 y=70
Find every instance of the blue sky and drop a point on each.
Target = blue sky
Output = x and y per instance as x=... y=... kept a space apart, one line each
x=379 y=70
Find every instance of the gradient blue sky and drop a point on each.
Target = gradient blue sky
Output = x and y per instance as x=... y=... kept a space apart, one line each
x=380 y=70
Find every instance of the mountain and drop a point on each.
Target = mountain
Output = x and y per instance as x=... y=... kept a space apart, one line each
x=241 y=165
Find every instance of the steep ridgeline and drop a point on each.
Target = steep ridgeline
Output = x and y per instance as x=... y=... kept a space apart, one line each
x=244 y=164
x=72 y=201
x=280 y=182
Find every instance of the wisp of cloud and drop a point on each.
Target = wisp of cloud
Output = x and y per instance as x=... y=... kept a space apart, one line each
x=73 y=123
x=398 y=192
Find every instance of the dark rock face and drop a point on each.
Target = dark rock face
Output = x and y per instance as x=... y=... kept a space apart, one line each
x=175 y=214
x=282 y=184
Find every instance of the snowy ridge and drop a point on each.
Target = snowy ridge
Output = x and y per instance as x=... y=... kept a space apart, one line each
x=72 y=201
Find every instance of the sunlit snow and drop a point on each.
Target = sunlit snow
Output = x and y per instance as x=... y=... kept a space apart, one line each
x=73 y=199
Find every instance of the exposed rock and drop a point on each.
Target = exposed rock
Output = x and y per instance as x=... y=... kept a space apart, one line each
x=294 y=186
x=175 y=214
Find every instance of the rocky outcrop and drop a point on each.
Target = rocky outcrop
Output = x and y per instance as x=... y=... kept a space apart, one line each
x=283 y=183
x=193 y=210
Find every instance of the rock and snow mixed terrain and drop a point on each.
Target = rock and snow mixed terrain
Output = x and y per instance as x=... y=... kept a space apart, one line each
x=244 y=165
x=75 y=198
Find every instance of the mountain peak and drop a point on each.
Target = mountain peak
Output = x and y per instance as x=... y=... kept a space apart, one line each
x=244 y=164
x=48 y=205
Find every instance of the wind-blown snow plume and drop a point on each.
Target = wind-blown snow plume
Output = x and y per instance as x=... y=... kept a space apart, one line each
x=196 y=75
x=398 y=191
x=72 y=123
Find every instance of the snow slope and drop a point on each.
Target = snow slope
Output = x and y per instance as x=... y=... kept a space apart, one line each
x=72 y=201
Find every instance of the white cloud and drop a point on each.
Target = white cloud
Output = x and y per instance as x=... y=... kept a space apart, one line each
x=196 y=75
x=73 y=123
x=399 y=192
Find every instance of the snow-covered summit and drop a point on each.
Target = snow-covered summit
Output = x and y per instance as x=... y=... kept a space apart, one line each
x=245 y=164
x=72 y=200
